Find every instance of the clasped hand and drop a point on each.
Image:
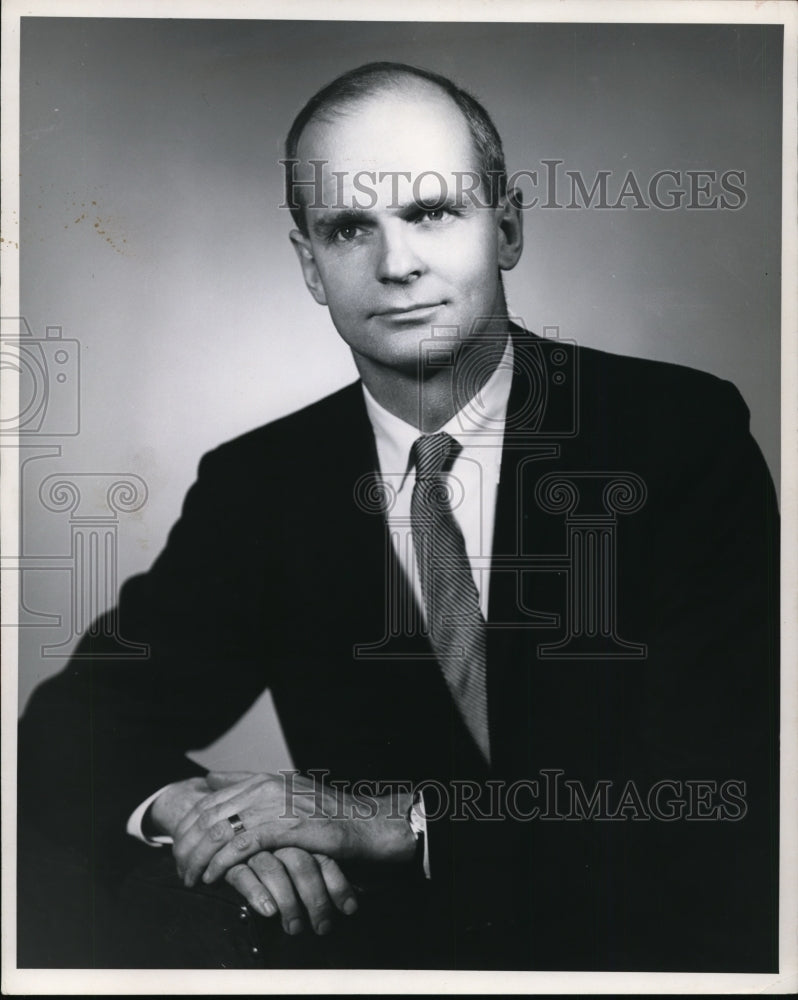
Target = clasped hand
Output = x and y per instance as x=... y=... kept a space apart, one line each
x=295 y=833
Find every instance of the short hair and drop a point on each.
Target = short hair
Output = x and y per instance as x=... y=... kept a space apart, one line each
x=364 y=81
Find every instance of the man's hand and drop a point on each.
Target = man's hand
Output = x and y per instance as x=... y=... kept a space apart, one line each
x=287 y=811
x=289 y=880
x=173 y=804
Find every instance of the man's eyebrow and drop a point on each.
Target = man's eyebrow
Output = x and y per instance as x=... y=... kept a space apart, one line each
x=442 y=202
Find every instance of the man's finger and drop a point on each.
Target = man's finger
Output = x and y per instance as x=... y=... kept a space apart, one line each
x=246 y=882
x=221 y=849
x=214 y=808
x=206 y=804
x=209 y=834
x=261 y=797
x=272 y=874
x=223 y=779
x=309 y=884
x=217 y=852
x=338 y=887
x=195 y=830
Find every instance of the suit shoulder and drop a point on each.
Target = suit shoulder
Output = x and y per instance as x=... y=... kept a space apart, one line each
x=306 y=428
x=647 y=371
x=677 y=390
x=628 y=380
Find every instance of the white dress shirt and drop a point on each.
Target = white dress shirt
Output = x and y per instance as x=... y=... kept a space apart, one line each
x=473 y=479
x=473 y=482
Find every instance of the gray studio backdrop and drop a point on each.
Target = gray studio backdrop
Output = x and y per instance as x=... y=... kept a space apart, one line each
x=152 y=237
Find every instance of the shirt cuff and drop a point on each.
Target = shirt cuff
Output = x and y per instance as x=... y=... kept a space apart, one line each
x=418 y=824
x=136 y=818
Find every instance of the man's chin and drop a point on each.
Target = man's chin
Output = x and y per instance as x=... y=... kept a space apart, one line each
x=401 y=349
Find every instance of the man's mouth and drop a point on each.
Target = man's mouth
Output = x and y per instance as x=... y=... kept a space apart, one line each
x=409 y=312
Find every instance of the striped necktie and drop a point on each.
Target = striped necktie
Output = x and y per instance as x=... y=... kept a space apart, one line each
x=451 y=601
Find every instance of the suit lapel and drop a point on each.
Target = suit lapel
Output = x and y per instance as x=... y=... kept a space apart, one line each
x=513 y=629
x=394 y=640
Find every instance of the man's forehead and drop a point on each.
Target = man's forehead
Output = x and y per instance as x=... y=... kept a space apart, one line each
x=406 y=128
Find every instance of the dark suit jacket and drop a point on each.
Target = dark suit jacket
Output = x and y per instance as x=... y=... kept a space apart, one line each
x=633 y=638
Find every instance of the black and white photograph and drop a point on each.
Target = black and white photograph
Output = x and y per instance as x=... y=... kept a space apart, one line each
x=397 y=422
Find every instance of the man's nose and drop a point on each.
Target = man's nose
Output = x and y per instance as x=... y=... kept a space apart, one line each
x=398 y=261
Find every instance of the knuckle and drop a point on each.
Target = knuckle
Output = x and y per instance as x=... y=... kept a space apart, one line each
x=320 y=915
x=334 y=879
x=217 y=832
x=318 y=904
x=290 y=907
x=265 y=865
x=339 y=893
x=291 y=855
x=241 y=842
x=304 y=865
x=235 y=874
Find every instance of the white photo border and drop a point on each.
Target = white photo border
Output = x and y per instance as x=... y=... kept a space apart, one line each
x=68 y=982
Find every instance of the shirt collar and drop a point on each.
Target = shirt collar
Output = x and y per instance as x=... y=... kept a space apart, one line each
x=481 y=416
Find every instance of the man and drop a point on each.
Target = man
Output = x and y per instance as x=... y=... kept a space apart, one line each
x=516 y=601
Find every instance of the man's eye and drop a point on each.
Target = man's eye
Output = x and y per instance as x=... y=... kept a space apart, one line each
x=437 y=215
x=345 y=234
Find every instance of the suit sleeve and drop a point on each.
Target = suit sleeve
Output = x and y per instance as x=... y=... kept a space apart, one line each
x=100 y=736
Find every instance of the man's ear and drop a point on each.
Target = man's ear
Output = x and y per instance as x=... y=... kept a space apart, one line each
x=308 y=264
x=511 y=231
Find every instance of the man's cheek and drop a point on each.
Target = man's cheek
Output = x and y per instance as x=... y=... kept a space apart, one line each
x=468 y=262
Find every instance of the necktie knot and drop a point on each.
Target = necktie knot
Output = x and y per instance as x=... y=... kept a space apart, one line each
x=434 y=454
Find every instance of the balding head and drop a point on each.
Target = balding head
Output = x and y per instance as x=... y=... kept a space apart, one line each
x=360 y=85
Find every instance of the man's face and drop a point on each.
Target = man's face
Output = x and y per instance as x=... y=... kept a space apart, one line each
x=392 y=270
